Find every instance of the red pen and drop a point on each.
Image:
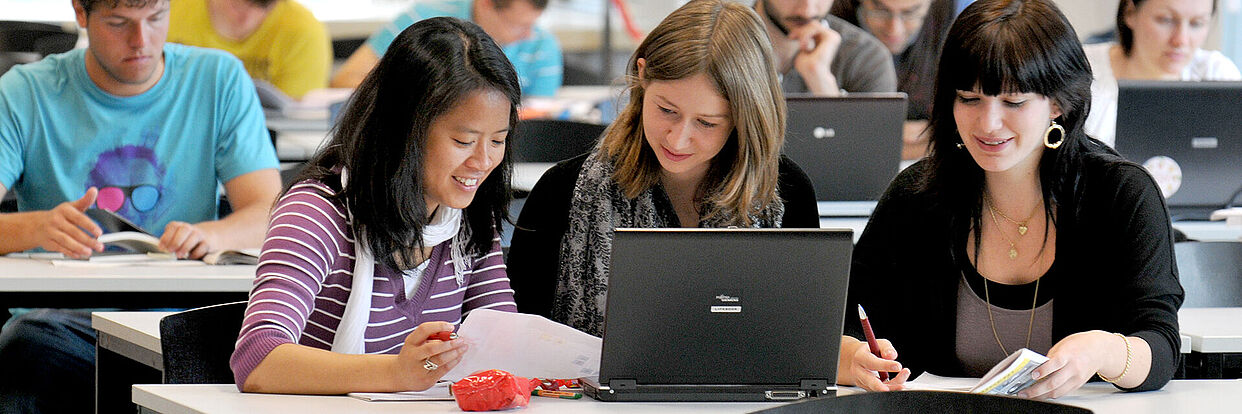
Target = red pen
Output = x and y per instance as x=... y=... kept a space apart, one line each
x=443 y=336
x=871 y=343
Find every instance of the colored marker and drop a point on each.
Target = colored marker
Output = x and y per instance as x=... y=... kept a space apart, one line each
x=565 y=395
x=443 y=336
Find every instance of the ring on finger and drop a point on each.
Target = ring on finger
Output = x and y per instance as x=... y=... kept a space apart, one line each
x=430 y=366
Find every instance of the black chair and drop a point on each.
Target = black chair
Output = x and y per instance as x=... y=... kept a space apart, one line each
x=197 y=343
x=1210 y=272
x=25 y=42
x=552 y=140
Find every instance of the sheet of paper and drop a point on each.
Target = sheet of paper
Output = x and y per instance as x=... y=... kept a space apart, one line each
x=438 y=392
x=525 y=345
x=932 y=382
x=158 y=259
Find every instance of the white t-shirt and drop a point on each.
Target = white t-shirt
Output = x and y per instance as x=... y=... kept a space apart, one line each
x=1101 y=124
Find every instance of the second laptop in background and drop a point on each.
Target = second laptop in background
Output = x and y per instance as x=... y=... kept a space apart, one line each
x=850 y=146
x=1189 y=137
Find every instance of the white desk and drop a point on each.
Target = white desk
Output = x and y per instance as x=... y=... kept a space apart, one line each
x=127 y=352
x=38 y=283
x=1212 y=330
x=133 y=334
x=31 y=275
x=1178 y=396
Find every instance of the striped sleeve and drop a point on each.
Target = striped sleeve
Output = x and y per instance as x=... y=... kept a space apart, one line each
x=305 y=238
x=489 y=284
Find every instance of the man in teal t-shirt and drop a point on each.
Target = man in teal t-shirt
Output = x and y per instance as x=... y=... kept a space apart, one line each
x=145 y=129
x=533 y=51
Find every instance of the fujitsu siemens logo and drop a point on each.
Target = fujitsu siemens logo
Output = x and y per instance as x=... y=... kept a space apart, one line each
x=727 y=298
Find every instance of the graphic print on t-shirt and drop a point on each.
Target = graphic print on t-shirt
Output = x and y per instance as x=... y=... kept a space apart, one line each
x=130 y=179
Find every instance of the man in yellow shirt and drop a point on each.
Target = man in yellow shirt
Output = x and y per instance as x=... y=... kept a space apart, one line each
x=278 y=41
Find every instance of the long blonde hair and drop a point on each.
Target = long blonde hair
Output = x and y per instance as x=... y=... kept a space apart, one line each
x=727 y=42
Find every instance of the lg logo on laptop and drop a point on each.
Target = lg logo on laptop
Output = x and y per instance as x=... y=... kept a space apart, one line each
x=821 y=132
x=727 y=308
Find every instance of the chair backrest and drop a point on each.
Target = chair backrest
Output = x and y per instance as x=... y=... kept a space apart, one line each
x=197 y=343
x=552 y=140
x=25 y=42
x=1210 y=272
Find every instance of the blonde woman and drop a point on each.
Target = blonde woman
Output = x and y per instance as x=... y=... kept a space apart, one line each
x=698 y=145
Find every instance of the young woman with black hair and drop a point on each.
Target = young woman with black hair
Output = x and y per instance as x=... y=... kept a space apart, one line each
x=389 y=235
x=1018 y=230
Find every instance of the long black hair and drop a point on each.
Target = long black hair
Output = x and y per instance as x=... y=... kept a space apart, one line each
x=1011 y=46
x=381 y=137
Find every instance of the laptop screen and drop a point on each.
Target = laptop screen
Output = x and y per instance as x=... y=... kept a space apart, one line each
x=725 y=306
x=1189 y=137
x=850 y=146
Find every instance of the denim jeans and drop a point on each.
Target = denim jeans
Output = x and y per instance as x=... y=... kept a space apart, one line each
x=47 y=363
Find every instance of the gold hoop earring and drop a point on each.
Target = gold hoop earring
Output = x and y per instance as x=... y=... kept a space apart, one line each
x=1060 y=136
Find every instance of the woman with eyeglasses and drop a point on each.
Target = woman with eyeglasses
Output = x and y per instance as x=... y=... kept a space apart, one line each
x=1156 y=40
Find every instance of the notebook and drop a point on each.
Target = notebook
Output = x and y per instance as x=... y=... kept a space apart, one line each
x=1189 y=137
x=850 y=146
x=723 y=315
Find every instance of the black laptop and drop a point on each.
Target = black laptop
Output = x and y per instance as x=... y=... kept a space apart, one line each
x=1189 y=137
x=723 y=315
x=850 y=146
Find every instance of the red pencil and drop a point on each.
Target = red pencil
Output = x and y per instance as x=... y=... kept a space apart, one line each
x=871 y=343
x=443 y=336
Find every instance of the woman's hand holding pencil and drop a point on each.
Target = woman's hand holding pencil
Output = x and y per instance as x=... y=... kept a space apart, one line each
x=860 y=362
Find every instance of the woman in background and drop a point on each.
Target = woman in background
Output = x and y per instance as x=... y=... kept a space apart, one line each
x=1157 y=40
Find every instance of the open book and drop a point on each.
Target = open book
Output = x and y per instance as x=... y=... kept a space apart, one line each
x=121 y=235
x=233 y=257
x=1011 y=375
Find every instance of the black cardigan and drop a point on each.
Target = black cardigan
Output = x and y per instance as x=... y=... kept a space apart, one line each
x=1114 y=270
x=534 y=254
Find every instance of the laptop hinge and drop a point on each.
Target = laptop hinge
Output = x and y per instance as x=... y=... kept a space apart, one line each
x=813 y=384
x=622 y=384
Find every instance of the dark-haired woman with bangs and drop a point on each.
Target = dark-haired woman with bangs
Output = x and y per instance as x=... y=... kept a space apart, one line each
x=389 y=235
x=1018 y=231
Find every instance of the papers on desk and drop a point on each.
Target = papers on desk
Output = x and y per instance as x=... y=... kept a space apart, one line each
x=126 y=259
x=1011 y=375
x=525 y=345
x=932 y=382
x=438 y=392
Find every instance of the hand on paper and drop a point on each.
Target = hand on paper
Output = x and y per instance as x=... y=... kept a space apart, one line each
x=418 y=349
x=859 y=366
x=1071 y=362
x=187 y=241
x=68 y=230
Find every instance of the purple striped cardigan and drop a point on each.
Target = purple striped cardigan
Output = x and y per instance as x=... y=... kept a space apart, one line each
x=304 y=278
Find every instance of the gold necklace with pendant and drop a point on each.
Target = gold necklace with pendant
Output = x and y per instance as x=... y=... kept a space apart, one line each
x=1022 y=228
x=1013 y=248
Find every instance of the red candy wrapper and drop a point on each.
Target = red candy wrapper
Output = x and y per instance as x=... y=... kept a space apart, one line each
x=492 y=390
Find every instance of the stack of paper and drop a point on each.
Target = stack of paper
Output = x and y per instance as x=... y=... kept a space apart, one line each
x=1011 y=375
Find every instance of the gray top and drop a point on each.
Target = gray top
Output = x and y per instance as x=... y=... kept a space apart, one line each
x=862 y=63
x=977 y=350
